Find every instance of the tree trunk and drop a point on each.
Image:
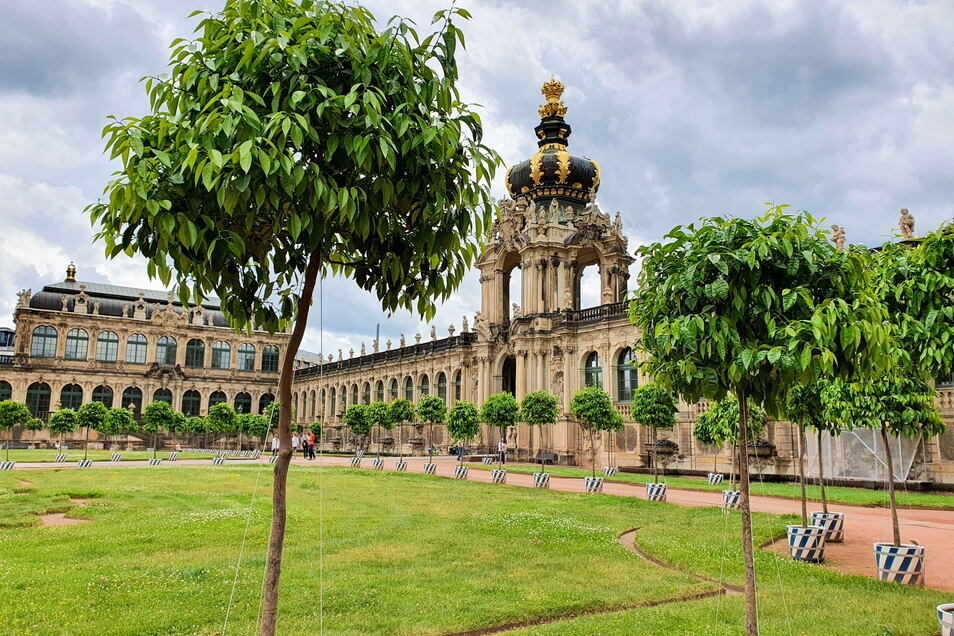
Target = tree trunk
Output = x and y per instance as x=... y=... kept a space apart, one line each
x=894 y=508
x=654 y=458
x=592 y=453
x=801 y=474
x=751 y=603
x=85 y=442
x=715 y=462
x=821 y=474
x=276 y=539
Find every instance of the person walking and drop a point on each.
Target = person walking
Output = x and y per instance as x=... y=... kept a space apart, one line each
x=304 y=444
x=311 y=444
x=502 y=451
x=274 y=444
x=295 y=441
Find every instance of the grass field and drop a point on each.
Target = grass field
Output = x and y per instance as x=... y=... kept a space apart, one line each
x=48 y=455
x=856 y=496
x=402 y=554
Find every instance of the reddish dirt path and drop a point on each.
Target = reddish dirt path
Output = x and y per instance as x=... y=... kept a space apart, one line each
x=934 y=529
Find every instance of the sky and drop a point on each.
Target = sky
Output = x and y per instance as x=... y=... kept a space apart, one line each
x=692 y=108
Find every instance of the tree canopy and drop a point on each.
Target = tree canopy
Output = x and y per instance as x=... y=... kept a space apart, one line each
x=62 y=422
x=500 y=410
x=539 y=408
x=804 y=406
x=402 y=410
x=120 y=420
x=222 y=418
x=157 y=416
x=356 y=418
x=379 y=414
x=593 y=408
x=463 y=423
x=653 y=406
x=432 y=409
x=720 y=422
x=13 y=414
x=94 y=415
x=904 y=404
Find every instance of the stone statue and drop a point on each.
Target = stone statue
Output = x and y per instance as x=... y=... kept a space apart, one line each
x=464 y=326
x=96 y=308
x=388 y=344
x=618 y=225
x=363 y=352
x=906 y=223
x=481 y=326
x=506 y=206
x=568 y=298
x=554 y=211
x=565 y=214
x=66 y=302
x=451 y=330
x=377 y=345
x=433 y=332
x=417 y=338
x=340 y=355
x=24 y=297
x=838 y=236
x=331 y=358
x=126 y=310
x=351 y=352
x=516 y=311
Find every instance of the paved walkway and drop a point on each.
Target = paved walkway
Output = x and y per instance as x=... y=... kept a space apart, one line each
x=934 y=529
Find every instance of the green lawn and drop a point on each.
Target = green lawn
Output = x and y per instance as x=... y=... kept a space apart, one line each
x=403 y=554
x=857 y=496
x=74 y=455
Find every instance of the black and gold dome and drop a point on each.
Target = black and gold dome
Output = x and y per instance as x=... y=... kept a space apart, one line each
x=553 y=172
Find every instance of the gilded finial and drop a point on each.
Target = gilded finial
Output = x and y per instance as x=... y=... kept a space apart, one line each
x=552 y=90
x=71 y=272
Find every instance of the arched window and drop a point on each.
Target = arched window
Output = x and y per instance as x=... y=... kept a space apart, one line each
x=246 y=357
x=945 y=381
x=425 y=385
x=217 y=397
x=314 y=404
x=6 y=391
x=43 y=344
x=409 y=389
x=243 y=403
x=270 y=359
x=457 y=385
x=626 y=375
x=195 y=354
x=166 y=350
x=592 y=371
x=104 y=395
x=136 y=349
x=38 y=398
x=333 y=399
x=162 y=395
x=107 y=347
x=442 y=386
x=71 y=396
x=77 y=344
x=354 y=394
x=366 y=394
x=221 y=355
x=394 y=389
x=379 y=391
x=324 y=404
x=191 y=403
x=132 y=395
x=264 y=401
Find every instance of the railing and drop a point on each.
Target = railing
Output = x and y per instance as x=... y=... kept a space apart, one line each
x=6 y=360
x=381 y=357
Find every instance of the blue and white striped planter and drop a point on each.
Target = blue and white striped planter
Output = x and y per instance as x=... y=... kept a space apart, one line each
x=460 y=472
x=85 y=463
x=731 y=499
x=900 y=564
x=945 y=618
x=116 y=457
x=60 y=458
x=256 y=454
x=377 y=463
x=400 y=465
x=656 y=491
x=715 y=479
x=806 y=544
x=487 y=461
x=356 y=462
x=498 y=475
x=155 y=462
x=609 y=471
x=593 y=484
x=6 y=465
x=541 y=480
x=430 y=469
x=273 y=459
x=173 y=456
x=218 y=461
x=833 y=523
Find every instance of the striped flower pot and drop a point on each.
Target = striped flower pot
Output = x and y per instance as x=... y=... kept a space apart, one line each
x=593 y=484
x=173 y=456
x=833 y=523
x=656 y=491
x=256 y=454
x=499 y=475
x=715 y=479
x=487 y=461
x=541 y=480
x=85 y=463
x=731 y=499
x=609 y=471
x=460 y=472
x=218 y=461
x=430 y=469
x=400 y=465
x=377 y=463
x=356 y=462
x=6 y=465
x=155 y=461
x=60 y=458
x=945 y=618
x=116 y=457
x=807 y=544
x=273 y=459
x=900 y=564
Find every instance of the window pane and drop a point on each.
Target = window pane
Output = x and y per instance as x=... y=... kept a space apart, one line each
x=6 y=391
x=103 y=395
x=107 y=347
x=246 y=357
x=71 y=396
x=38 y=398
x=221 y=355
x=195 y=354
x=270 y=359
x=136 y=349
x=44 y=342
x=166 y=350
x=77 y=344
x=191 y=403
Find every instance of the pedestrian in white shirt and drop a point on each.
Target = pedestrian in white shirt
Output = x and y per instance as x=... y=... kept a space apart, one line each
x=294 y=443
x=274 y=445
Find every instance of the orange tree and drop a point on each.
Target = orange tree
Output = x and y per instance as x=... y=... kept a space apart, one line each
x=290 y=138
x=749 y=307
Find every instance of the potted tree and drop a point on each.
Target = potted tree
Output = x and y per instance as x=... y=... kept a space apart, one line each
x=356 y=419
x=539 y=408
x=121 y=420
x=195 y=426
x=34 y=425
x=593 y=409
x=712 y=431
x=654 y=406
x=721 y=421
x=379 y=415
x=222 y=418
x=13 y=414
x=402 y=412
x=156 y=417
x=431 y=410
x=62 y=422
x=463 y=424
x=501 y=411
x=92 y=415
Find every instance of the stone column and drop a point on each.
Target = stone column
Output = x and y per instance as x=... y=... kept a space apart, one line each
x=521 y=374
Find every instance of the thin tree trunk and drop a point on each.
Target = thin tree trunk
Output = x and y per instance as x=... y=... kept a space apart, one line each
x=801 y=474
x=715 y=462
x=751 y=602
x=654 y=458
x=894 y=508
x=592 y=453
x=821 y=473
x=85 y=443
x=276 y=539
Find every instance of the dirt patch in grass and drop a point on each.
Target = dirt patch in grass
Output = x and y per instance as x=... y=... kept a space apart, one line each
x=51 y=519
x=24 y=483
x=76 y=501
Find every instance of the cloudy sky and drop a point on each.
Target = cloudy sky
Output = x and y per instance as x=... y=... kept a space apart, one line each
x=692 y=108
